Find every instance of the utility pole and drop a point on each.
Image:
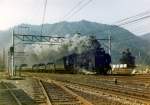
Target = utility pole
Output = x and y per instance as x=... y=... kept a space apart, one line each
x=12 y=55
x=8 y=62
x=109 y=41
x=3 y=58
x=43 y=18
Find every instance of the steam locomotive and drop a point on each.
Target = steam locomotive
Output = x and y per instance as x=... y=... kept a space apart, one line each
x=95 y=59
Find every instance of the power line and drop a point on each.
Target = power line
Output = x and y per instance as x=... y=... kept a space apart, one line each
x=43 y=17
x=76 y=6
x=84 y=5
x=135 y=16
x=72 y=11
x=132 y=21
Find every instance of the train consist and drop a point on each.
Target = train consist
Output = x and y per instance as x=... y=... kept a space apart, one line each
x=95 y=59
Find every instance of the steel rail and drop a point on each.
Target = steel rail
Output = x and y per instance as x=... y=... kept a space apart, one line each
x=81 y=99
x=12 y=94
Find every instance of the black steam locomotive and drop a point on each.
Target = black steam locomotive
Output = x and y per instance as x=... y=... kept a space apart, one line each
x=95 y=59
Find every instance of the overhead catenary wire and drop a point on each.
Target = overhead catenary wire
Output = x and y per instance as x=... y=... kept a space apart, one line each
x=79 y=6
x=135 y=16
x=132 y=21
x=73 y=9
x=79 y=9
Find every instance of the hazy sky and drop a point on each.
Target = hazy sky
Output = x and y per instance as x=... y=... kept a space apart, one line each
x=13 y=12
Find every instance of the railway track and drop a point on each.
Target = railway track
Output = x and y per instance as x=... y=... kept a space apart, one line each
x=11 y=95
x=122 y=86
x=110 y=94
x=136 y=96
x=59 y=95
x=132 y=94
x=7 y=97
x=43 y=93
x=38 y=92
x=97 y=99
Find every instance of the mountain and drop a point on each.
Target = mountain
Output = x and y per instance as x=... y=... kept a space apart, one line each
x=146 y=36
x=121 y=38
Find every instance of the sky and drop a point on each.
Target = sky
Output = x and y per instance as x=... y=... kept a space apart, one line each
x=14 y=12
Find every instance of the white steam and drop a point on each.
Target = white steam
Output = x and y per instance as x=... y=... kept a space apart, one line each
x=44 y=53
